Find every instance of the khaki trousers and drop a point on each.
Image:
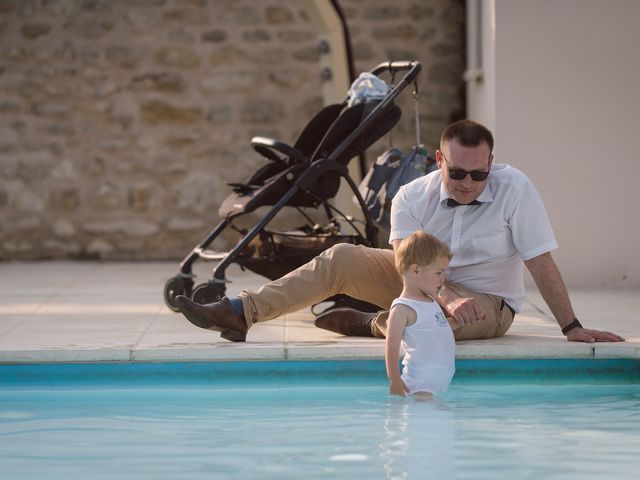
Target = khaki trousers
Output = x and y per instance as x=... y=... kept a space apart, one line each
x=364 y=273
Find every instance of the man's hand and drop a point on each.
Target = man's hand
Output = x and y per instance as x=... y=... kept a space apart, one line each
x=465 y=311
x=590 y=336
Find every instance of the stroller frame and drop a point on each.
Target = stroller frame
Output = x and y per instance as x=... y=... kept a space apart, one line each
x=215 y=288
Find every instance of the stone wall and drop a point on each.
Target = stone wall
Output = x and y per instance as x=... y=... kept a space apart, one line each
x=120 y=120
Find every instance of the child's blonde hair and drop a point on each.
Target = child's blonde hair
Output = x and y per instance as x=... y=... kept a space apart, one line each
x=420 y=248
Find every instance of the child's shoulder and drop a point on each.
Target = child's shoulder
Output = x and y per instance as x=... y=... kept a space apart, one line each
x=412 y=302
x=403 y=306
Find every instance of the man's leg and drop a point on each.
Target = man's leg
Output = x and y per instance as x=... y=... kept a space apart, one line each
x=368 y=274
x=498 y=317
x=364 y=273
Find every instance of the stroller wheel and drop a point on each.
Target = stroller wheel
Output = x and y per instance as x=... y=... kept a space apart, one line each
x=176 y=286
x=208 y=293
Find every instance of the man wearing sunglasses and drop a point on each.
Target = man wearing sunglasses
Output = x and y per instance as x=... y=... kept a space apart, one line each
x=490 y=216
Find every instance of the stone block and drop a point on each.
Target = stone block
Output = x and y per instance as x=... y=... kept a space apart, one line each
x=10 y=107
x=234 y=13
x=262 y=111
x=142 y=198
x=307 y=54
x=419 y=12
x=66 y=199
x=256 y=36
x=295 y=36
x=182 y=224
x=59 y=246
x=50 y=109
x=27 y=200
x=169 y=82
x=108 y=196
x=121 y=56
x=404 y=31
x=381 y=13
x=8 y=139
x=219 y=114
x=26 y=223
x=177 y=57
x=277 y=15
x=125 y=227
x=63 y=228
x=242 y=80
x=99 y=247
x=227 y=55
x=157 y=112
x=443 y=73
x=13 y=247
x=89 y=27
x=214 y=36
x=289 y=77
x=35 y=30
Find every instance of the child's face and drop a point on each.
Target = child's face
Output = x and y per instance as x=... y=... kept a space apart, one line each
x=430 y=277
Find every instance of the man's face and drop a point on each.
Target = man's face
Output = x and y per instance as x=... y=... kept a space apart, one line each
x=453 y=156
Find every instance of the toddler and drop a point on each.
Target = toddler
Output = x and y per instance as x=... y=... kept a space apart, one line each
x=418 y=323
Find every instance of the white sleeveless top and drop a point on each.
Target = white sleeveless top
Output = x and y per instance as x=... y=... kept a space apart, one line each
x=430 y=348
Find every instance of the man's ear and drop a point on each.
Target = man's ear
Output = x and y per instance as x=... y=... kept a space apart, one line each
x=438 y=158
x=414 y=268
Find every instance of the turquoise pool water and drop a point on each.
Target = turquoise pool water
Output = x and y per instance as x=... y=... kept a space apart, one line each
x=512 y=420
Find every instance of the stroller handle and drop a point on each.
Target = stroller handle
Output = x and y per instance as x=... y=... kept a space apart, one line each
x=413 y=66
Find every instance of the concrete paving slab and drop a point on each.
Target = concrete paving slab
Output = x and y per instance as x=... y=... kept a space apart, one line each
x=114 y=312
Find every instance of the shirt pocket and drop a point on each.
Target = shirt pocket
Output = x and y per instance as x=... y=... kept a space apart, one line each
x=491 y=247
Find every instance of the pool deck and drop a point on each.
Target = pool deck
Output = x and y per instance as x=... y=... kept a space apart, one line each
x=114 y=312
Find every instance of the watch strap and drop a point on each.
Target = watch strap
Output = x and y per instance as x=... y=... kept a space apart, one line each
x=567 y=328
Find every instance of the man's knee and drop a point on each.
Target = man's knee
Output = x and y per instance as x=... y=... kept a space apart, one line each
x=495 y=326
x=343 y=254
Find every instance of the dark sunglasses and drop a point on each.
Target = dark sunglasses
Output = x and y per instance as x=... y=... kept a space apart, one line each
x=459 y=174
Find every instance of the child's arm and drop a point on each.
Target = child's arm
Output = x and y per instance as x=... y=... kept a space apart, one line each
x=396 y=323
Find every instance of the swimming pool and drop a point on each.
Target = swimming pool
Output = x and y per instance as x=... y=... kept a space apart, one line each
x=568 y=419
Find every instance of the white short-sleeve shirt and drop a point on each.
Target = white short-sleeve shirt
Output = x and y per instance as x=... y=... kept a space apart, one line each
x=489 y=241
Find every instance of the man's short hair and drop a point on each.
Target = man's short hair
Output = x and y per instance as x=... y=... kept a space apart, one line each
x=420 y=248
x=468 y=133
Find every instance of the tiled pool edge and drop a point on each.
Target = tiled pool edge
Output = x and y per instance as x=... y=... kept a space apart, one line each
x=139 y=374
x=353 y=349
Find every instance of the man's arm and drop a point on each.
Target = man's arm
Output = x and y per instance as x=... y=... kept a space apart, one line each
x=545 y=273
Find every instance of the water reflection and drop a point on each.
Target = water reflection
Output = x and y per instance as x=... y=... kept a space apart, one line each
x=419 y=440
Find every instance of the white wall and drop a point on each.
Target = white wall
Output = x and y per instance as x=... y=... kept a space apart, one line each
x=567 y=112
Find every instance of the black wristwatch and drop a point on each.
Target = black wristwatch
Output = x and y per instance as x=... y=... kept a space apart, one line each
x=571 y=326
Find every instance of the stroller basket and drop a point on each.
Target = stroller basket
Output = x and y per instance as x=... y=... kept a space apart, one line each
x=304 y=175
x=273 y=254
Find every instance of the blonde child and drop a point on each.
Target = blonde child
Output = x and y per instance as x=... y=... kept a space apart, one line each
x=418 y=323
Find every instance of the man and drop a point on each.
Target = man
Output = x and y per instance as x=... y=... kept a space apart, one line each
x=492 y=219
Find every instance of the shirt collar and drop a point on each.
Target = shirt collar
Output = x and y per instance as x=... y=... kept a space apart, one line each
x=485 y=197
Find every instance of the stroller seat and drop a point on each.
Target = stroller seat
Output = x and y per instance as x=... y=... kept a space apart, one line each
x=269 y=183
x=305 y=175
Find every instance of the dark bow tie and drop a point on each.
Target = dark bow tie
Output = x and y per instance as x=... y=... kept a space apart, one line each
x=452 y=203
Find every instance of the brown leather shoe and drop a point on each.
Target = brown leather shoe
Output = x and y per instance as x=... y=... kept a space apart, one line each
x=217 y=316
x=346 y=321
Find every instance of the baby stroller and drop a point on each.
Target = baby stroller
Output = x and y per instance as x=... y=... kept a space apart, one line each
x=305 y=175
